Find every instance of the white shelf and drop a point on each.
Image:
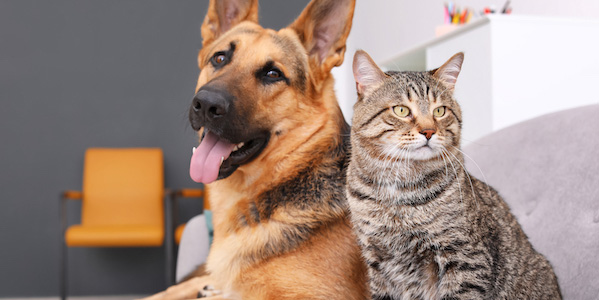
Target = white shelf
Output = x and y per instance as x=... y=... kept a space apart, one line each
x=515 y=68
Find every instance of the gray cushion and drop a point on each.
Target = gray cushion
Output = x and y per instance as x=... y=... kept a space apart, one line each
x=547 y=169
x=194 y=247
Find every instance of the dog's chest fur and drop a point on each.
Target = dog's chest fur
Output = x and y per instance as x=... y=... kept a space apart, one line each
x=277 y=221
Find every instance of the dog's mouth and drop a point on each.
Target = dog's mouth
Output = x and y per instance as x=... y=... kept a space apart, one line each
x=217 y=158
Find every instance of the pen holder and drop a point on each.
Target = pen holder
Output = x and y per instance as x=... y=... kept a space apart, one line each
x=445 y=28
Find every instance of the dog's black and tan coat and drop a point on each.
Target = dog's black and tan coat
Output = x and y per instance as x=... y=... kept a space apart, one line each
x=273 y=150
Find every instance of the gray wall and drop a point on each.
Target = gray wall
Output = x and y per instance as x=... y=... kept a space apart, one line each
x=78 y=74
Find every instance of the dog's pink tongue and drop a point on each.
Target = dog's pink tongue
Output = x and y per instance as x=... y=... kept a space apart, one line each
x=207 y=158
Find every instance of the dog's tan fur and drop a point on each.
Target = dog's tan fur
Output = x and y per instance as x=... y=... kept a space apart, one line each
x=251 y=257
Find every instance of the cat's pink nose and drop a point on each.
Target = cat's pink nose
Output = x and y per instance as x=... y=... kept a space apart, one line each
x=428 y=133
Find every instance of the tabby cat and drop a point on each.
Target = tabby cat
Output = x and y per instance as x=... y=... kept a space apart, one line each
x=429 y=230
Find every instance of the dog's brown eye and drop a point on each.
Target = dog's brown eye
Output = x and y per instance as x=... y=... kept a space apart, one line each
x=273 y=74
x=219 y=58
x=269 y=74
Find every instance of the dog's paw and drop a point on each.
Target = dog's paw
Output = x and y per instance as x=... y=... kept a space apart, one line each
x=209 y=291
x=196 y=287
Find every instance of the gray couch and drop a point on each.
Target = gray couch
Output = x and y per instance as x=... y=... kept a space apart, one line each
x=547 y=169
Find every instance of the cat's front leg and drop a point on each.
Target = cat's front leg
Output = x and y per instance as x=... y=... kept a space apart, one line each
x=459 y=287
x=464 y=279
x=464 y=293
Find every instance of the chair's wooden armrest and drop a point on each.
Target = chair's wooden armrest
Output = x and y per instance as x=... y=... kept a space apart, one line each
x=189 y=193
x=72 y=195
x=64 y=197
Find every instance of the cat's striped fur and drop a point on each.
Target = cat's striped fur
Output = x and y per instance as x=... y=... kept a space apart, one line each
x=429 y=230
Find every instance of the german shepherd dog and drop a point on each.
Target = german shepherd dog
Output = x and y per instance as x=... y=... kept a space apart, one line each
x=273 y=152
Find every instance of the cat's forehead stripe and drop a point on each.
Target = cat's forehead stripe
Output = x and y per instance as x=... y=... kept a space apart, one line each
x=416 y=90
x=431 y=97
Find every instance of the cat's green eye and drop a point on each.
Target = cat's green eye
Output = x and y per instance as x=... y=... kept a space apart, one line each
x=439 y=111
x=401 y=111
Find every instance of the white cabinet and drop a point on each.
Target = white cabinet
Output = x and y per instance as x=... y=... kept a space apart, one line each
x=515 y=68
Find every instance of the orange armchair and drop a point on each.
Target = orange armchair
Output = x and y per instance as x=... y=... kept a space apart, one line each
x=123 y=204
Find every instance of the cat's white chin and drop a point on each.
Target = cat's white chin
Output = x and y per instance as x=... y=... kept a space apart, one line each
x=418 y=151
x=423 y=153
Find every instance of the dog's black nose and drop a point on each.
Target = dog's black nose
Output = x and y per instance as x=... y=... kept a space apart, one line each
x=210 y=104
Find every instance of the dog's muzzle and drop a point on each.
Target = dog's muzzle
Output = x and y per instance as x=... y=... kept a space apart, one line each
x=210 y=108
x=230 y=137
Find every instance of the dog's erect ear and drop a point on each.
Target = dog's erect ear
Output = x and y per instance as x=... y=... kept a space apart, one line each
x=222 y=15
x=366 y=73
x=323 y=28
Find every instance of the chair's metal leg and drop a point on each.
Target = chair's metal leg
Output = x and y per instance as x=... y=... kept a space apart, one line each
x=63 y=271
x=63 y=250
x=169 y=241
x=170 y=266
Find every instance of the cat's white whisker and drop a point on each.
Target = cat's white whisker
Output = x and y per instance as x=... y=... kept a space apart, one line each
x=467 y=175
x=444 y=161
x=456 y=176
x=477 y=166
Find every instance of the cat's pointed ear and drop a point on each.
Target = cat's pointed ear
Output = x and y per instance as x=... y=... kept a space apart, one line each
x=222 y=15
x=366 y=73
x=449 y=71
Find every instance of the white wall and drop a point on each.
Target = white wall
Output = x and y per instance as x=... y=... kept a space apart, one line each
x=385 y=28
